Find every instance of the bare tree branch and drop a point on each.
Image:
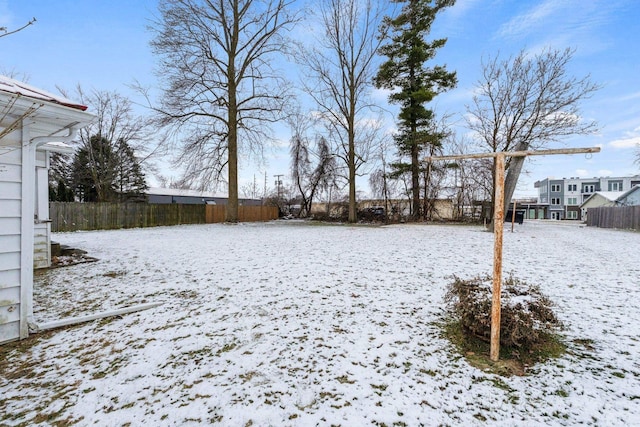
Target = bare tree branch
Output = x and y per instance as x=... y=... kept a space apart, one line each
x=527 y=102
x=341 y=67
x=5 y=32
x=220 y=87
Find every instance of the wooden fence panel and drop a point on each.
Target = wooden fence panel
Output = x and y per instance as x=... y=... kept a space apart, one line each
x=217 y=213
x=622 y=217
x=108 y=216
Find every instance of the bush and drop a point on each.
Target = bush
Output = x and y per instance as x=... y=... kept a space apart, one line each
x=526 y=316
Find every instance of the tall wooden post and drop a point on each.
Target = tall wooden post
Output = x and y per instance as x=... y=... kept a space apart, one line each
x=498 y=222
x=498 y=227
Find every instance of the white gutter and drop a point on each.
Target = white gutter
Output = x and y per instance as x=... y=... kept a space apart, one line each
x=40 y=140
x=76 y=320
x=29 y=147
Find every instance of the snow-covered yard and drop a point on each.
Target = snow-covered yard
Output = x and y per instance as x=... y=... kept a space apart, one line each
x=287 y=323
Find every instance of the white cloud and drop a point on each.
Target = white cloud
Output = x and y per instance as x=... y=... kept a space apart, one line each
x=605 y=172
x=582 y=172
x=629 y=142
x=526 y=22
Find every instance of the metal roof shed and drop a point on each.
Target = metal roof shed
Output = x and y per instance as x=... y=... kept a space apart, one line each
x=31 y=120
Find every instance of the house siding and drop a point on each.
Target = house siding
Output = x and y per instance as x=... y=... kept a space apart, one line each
x=41 y=246
x=10 y=236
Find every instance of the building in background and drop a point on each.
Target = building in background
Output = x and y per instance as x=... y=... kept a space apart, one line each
x=563 y=197
x=192 y=197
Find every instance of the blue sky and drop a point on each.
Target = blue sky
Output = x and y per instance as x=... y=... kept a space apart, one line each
x=104 y=45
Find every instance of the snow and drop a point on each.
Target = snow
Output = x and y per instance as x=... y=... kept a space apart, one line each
x=20 y=88
x=289 y=323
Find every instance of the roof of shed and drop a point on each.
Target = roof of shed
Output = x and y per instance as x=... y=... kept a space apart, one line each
x=178 y=192
x=12 y=86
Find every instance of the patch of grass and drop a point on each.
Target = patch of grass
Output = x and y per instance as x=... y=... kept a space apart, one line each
x=512 y=361
x=226 y=348
x=344 y=379
x=114 y=274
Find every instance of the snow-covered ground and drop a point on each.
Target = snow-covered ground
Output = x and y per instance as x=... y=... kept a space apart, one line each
x=286 y=323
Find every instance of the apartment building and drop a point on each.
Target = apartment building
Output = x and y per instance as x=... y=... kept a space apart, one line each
x=563 y=197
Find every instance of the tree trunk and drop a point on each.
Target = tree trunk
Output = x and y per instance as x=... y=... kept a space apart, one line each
x=353 y=207
x=415 y=182
x=511 y=179
x=232 y=204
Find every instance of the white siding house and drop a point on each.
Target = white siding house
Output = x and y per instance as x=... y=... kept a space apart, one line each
x=32 y=121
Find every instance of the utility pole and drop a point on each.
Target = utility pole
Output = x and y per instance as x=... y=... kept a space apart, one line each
x=278 y=183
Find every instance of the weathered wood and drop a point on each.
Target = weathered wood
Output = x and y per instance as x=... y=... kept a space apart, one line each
x=516 y=153
x=109 y=216
x=621 y=217
x=498 y=220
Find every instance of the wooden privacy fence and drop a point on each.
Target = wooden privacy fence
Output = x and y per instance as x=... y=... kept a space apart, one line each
x=108 y=216
x=623 y=217
x=216 y=213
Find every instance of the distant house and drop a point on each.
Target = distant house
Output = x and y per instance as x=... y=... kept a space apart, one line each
x=32 y=123
x=562 y=198
x=630 y=197
x=192 y=197
x=598 y=199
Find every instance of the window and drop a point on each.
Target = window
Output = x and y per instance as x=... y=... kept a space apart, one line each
x=555 y=200
x=572 y=201
x=572 y=215
x=588 y=188
x=573 y=187
x=615 y=185
x=555 y=188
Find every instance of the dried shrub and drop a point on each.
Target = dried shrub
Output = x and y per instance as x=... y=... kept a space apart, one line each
x=526 y=317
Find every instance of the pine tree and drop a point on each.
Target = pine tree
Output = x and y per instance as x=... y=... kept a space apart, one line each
x=93 y=171
x=415 y=84
x=106 y=172
x=129 y=178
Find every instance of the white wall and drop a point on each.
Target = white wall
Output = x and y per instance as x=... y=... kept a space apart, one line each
x=10 y=240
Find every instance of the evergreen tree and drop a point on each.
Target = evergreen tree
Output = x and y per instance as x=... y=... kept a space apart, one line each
x=93 y=170
x=129 y=178
x=415 y=84
x=105 y=172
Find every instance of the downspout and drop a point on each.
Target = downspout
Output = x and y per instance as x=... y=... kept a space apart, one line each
x=40 y=140
x=29 y=147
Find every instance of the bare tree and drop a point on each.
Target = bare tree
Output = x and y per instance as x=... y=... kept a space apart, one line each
x=220 y=86
x=313 y=168
x=4 y=31
x=114 y=149
x=341 y=67
x=470 y=180
x=117 y=120
x=526 y=102
x=379 y=180
x=117 y=135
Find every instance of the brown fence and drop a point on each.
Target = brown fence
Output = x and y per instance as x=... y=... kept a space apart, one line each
x=623 y=217
x=216 y=213
x=108 y=216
